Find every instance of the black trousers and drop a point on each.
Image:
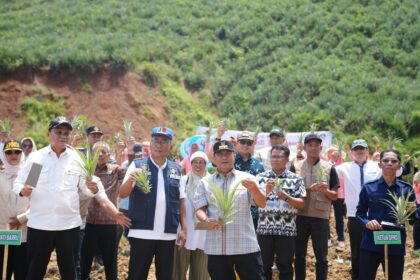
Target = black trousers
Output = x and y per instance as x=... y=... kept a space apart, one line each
x=248 y=267
x=416 y=234
x=142 y=252
x=317 y=229
x=339 y=214
x=17 y=264
x=102 y=239
x=40 y=245
x=369 y=262
x=355 y=233
x=284 y=248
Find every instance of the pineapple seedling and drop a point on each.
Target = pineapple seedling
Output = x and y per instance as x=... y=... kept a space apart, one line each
x=6 y=125
x=79 y=124
x=320 y=175
x=224 y=202
x=88 y=163
x=128 y=129
x=142 y=180
x=393 y=142
x=400 y=208
x=117 y=137
x=278 y=185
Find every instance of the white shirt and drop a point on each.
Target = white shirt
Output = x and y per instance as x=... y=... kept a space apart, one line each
x=12 y=205
x=54 y=202
x=85 y=200
x=350 y=173
x=196 y=239
x=158 y=232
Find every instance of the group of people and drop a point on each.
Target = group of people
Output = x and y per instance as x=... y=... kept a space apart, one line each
x=279 y=200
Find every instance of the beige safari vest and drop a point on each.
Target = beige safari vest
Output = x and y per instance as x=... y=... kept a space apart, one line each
x=317 y=204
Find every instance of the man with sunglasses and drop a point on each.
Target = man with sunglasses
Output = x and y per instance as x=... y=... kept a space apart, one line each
x=372 y=211
x=354 y=175
x=54 y=219
x=156 y=214
x=244 y=161
x=13 y=211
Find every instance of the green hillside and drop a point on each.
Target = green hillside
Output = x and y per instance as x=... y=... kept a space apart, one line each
x=349 y=66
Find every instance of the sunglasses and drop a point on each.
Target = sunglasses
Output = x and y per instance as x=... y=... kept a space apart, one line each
x=13 y=153
x=388 y=160
x=246 y=142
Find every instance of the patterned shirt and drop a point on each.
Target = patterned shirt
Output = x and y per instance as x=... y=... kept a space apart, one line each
x=252 y=166
x=111 y=176
x=278 y=217
x=237 y=237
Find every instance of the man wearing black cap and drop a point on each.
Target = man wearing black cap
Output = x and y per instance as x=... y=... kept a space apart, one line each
x=54 y=219
x=355 y=174
x=157 y=213
x=232 y=246
x=276 y=138
x=321 y=182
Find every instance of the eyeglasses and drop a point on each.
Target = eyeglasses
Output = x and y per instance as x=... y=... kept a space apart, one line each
x=13 y=153
x=160 y=143
x=61 y=133
x=246 y=142
x=278 y=157
x=27 y=146
x=388 y=160
x=198 y=162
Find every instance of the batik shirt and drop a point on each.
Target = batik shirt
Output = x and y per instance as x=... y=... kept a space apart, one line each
x=279 y=217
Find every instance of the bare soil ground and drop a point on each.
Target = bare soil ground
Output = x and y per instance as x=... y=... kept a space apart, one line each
x=106 y=96
x=339 y=262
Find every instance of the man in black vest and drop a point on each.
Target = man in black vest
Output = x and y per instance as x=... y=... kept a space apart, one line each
x=156 y=214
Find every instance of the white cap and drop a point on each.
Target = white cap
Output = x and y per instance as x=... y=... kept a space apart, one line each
x=199 y=154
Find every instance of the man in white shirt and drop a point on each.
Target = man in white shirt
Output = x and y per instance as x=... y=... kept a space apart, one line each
x=155 y=214
x=355 y=174
x=54 y=217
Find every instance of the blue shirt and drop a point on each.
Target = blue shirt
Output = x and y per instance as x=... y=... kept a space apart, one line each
x=371 y=207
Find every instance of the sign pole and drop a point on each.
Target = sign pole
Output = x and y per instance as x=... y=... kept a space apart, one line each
x=386 y=262
x=5 y=258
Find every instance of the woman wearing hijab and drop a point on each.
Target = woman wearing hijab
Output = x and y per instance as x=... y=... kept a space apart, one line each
x=13 y=210
x=28 y=146
x=192 y=255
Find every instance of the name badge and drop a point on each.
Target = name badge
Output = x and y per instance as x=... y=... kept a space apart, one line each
x=173 y=174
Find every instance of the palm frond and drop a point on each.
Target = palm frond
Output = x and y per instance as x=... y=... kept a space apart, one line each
x=279 y=184
x=301 y=137
x=313 y=127
x=400 y=208
x=117 y=136
x=79 y=124
x=88 y=163
x=142 y=180
x=128 y=129
x=6 y=125
x=225 y=203
x=320 y=175
x=393 y=142
x=256 y=133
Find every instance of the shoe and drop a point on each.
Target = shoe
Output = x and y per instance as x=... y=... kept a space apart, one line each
x=340 y=245
x=329 y=243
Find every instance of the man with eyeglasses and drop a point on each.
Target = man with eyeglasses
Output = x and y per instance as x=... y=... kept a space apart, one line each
x=372 y=211
x=54 y=219
x=156 y=214
x=276 y=228
x=13 y=211
x=321 y=182
x=354 y=175
x=244 y=161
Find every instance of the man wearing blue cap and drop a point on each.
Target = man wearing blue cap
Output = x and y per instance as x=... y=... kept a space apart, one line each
x=156 y=214
x=355 y=174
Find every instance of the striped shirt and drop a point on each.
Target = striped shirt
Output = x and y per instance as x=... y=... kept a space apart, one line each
x=237 y=237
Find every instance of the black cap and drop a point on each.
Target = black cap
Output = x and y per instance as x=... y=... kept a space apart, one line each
x=12 y=145
x=312 y=136
x=59 y=121
x=94 y=129
x=137 y=149
x=276 y=131
x=223 y=145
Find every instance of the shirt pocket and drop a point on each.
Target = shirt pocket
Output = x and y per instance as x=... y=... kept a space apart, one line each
x=43 y=176
x=71 y=180
x=322 y=202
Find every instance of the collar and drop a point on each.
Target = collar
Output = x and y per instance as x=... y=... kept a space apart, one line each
x=157 y=166
x=230 y=173
x=397 y=183
x=282 y=175
x=238 y=156
x=363 y=164
x=316 y=162
x=50 y=150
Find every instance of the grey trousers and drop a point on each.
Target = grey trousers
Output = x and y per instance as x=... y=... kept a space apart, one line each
x=195 y=260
